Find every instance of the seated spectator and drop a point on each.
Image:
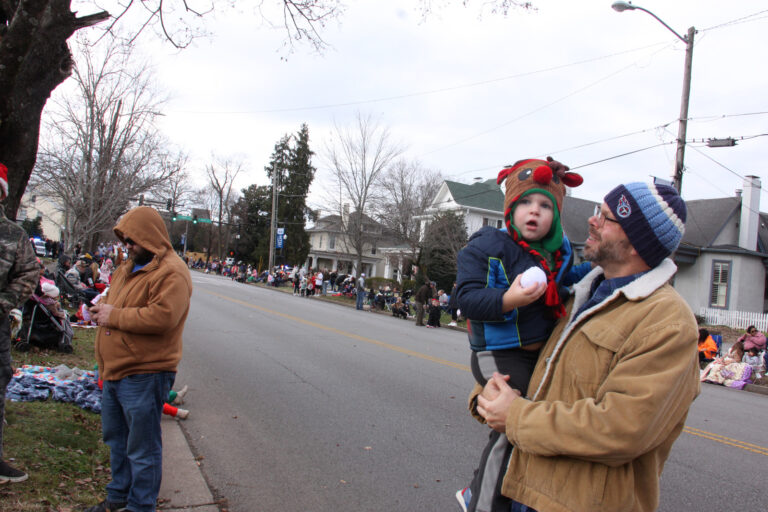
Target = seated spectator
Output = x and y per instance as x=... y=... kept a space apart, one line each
x=76 y=275
x=707 y=347
x=105 y=271
x=729 y=371
x=443 y=298
x=753 y=338
x=753 y=359
x=399 y=309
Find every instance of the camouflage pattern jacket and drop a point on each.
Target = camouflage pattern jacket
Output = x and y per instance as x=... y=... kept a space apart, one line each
x=19 y=270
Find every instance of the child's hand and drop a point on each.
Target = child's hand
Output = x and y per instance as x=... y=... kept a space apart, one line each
x=516 y=296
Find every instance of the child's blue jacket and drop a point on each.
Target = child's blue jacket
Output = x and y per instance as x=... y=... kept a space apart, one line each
x=487 y=266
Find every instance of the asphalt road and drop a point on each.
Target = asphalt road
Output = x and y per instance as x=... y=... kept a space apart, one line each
x=302 y=405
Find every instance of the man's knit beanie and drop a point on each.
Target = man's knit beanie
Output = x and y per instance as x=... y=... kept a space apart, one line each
x=653 y=217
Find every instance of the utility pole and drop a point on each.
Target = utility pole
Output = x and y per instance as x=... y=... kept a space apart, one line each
x=273 y=221
x=677 y=178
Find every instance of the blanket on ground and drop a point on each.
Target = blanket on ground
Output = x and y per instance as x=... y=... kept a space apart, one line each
x=62 y=384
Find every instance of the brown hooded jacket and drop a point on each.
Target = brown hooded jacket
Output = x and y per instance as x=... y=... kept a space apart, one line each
x=144 y=330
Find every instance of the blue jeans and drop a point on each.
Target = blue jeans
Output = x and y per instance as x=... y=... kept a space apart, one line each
x=131 y=409
x=519 y=507
x=360 y=298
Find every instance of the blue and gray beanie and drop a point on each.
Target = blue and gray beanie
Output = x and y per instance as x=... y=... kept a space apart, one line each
x=652 y=216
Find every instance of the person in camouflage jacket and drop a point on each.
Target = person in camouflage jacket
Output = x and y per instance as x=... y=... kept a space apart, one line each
x=19 y=274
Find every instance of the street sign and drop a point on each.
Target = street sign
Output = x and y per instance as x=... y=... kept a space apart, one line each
x=183 y=217
x=204 y=221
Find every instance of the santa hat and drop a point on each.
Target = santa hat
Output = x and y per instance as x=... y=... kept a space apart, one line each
x=4 y=180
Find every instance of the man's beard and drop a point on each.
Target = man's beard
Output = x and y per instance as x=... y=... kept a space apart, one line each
x=141 y=256
x=607 y=252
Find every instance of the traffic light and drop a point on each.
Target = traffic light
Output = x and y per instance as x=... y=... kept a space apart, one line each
x=168 y=204
x=173 y=216
x=194 y=219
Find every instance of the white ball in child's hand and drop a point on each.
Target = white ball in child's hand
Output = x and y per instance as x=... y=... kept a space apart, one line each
x=532 y=276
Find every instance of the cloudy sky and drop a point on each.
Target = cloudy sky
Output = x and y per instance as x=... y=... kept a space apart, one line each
x=467 y=93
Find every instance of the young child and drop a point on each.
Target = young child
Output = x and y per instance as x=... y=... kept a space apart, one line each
x=433 y=318
x=507 y=323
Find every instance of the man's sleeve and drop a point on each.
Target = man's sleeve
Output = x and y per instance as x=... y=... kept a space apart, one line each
x=22 y=277
x=643 y=398
x=168 y=302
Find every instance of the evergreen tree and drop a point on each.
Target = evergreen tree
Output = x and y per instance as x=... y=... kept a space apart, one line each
x=293 y=166
x=444 y=238
x=254 y=209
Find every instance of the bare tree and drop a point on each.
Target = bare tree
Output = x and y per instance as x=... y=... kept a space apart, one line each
x=35 y=57
x=101 y=148
x=358 y=156
x=221 y=176
x=407 y=189
x=177 y=189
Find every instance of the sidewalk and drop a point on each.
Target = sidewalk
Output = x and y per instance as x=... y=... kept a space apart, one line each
x=183 y=487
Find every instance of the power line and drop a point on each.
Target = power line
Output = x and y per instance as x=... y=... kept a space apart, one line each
x=431 y=91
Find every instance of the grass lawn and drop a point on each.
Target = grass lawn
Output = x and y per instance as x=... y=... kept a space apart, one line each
x=58 y=444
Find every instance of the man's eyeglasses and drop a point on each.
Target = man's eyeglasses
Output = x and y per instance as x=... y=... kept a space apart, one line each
x=602 y=217
x=128 y=242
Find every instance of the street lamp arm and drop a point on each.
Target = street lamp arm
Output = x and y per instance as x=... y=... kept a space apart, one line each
x=682 y=38
x=628 y=6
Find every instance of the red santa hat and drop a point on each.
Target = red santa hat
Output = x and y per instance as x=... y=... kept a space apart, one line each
x=4 y=180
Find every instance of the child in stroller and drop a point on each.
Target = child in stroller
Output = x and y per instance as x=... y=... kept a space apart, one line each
x=44 y=325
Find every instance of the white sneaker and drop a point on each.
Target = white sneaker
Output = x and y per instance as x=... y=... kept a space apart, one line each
x=452 y=324
x=182 y=413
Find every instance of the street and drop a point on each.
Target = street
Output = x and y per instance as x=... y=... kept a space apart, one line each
x=298 y=404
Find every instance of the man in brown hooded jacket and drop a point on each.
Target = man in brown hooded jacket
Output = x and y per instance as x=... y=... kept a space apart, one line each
x=138 y=348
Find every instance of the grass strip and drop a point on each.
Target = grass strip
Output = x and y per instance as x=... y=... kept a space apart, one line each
x=57 y=443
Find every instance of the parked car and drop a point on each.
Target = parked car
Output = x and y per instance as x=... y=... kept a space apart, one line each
x=39 y=247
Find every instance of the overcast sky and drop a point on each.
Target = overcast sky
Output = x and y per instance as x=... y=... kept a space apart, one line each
x=467 y=94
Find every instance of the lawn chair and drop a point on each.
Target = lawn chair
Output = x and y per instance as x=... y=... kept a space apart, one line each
x=719 y=341
x=70 y=292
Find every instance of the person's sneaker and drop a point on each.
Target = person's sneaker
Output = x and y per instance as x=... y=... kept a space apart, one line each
x=179 y=400
x=182 y=413
x=107 y=506
x=11 y=474
x=464 y=496
x=452 y=324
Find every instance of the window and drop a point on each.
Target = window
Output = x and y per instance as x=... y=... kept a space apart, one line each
x=331 y=241
x=485 y=221
x=718 y=296
x=373 y=250
x=499 y=223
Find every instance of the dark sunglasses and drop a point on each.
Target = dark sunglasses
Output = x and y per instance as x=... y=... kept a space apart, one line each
x=128 y=242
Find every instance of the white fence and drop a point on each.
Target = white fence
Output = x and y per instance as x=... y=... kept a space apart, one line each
x=734 y=319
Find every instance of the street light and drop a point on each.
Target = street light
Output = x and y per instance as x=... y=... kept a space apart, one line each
x=677 y=177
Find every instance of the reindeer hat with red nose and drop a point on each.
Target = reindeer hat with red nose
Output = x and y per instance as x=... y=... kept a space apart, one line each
x=546 y=175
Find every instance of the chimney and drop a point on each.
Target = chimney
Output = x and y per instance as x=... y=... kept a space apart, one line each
x=750 y=213
x=345 y=213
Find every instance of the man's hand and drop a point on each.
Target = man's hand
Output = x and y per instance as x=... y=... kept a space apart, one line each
x=100 y=313
x=495 y=408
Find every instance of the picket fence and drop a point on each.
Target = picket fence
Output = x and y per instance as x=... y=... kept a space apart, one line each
x=734 y=319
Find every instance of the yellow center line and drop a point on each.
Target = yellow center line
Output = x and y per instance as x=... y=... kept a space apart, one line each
x=346 y=334
x=754 y=448
x=760 y=450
